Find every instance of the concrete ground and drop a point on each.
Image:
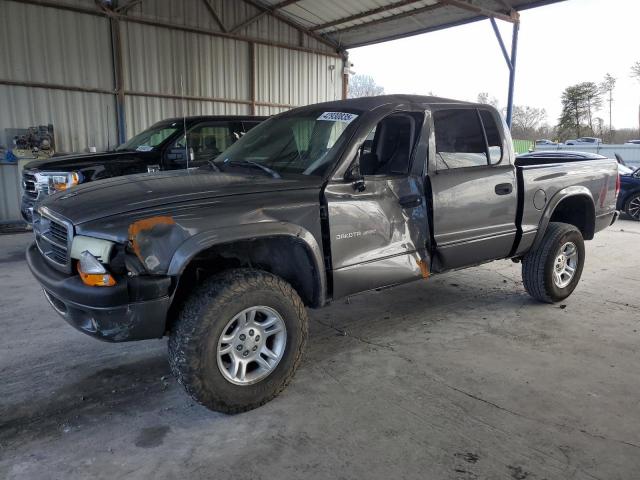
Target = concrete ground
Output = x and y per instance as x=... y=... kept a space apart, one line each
x=459 y=377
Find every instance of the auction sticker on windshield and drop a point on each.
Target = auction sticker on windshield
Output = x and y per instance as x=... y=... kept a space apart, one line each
x=338 y=117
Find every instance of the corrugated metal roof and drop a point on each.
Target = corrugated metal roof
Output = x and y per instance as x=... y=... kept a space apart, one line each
x=353 y=23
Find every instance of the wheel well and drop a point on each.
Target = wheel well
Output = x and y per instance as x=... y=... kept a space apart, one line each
x=287 y=257
x=577 y=210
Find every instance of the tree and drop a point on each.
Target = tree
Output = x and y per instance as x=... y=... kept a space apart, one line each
x=579 y=103
x=483 y=97
x=635 y=71
x=364 y=86
x=525 y=121
x=572 y=111
x=593 y=99
x=607 y=86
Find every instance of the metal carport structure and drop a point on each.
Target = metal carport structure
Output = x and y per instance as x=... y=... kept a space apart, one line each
x=349 y=24
x=103 y=70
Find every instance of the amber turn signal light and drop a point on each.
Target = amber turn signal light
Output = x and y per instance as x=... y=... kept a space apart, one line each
x=92 y=272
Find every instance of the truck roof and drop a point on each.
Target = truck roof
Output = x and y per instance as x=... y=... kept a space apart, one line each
x=209 y=118
x=370 y=103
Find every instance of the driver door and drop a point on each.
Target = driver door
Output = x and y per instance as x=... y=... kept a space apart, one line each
x=378 y=223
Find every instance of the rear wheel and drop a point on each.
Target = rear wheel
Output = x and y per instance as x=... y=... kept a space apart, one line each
x=551 y=272
x=632 y=208
x=238 y=340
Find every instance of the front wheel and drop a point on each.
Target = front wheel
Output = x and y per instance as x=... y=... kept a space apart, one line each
x=552 y=271
x=632 y=208
x=238 y=340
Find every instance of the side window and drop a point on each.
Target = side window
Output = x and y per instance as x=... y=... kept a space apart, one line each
x=387 y=148
x=207 y=141
x=459 y=139
x=493 y=136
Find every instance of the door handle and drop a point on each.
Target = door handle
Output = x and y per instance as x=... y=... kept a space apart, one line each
x=410 y=201
x=504 y=189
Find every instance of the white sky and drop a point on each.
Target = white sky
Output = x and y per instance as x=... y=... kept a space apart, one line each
x=559 y=45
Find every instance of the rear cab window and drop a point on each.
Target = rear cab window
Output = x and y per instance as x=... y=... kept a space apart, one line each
x=466 y=137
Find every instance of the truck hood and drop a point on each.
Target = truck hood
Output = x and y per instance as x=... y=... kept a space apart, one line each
x=66 y=163
x=114 y=196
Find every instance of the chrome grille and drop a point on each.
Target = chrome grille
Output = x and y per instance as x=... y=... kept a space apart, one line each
x=30 y=184
x=53 y=237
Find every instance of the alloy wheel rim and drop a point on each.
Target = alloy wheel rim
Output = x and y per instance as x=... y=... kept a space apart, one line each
x=634 y=208
x=565 y=265
x=251 y=345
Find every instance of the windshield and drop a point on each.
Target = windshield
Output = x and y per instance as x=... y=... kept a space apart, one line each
x=149 y=139
x=300 y=142
x=624 y=170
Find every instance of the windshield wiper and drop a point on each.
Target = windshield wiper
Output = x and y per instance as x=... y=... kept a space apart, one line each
x=244 y=162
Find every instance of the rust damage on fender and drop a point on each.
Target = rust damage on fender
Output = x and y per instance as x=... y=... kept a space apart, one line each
x=154 y=240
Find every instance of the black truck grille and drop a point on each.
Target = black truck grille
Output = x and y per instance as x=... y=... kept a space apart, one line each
x=53 y=237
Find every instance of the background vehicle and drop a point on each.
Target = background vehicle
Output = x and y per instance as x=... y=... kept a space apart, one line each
x=544 y=141
x=306 y=208
x=633 y=142
x=161 y=147
x=629 y=198
x=584 y=141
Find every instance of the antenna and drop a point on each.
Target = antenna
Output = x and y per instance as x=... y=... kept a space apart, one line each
x=184 y=122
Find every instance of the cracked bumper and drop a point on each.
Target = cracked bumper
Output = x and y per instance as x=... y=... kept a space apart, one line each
x=131 y=310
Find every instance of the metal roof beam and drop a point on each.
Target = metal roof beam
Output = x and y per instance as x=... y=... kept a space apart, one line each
x=273 y=11
x=513 y=17
x=365 y=14
x=215 y=15
x=416 y=11
x=248 y=22
x=127 y=6
x=284 y=3
x=257 y=17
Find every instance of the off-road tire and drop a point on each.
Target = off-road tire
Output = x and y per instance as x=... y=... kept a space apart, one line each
x=537 y=265
x=194 y=338
x=627 y=207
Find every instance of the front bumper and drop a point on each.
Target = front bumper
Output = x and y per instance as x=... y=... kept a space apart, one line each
x=133 y=309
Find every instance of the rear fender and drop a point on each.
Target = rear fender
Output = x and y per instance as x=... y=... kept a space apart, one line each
x=568 y=192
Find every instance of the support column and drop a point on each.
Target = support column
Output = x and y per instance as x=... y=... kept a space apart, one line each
x=345 y=76
x=252 y=76
x=118 y=79
x=510 y=61
x=512 y=73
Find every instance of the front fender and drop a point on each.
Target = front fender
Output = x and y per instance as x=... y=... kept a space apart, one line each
x=572 y=191
x=207 y=239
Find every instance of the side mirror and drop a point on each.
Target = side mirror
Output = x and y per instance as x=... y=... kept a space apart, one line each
x=356 y=178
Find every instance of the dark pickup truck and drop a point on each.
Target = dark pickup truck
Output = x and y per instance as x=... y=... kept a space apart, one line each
x=161 y=147
x=315 y=204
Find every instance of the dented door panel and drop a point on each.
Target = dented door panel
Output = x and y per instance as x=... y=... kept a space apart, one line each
x=374 y=238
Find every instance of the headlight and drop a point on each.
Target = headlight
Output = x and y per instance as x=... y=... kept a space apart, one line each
x=59 y=182
x=100 y=249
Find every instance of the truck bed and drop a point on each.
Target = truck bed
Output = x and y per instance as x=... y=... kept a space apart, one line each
x=544 y=182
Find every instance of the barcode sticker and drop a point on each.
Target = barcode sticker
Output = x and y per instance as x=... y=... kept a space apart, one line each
x=338 y=117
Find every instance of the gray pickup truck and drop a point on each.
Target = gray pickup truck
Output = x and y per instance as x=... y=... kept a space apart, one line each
x=312 y=205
